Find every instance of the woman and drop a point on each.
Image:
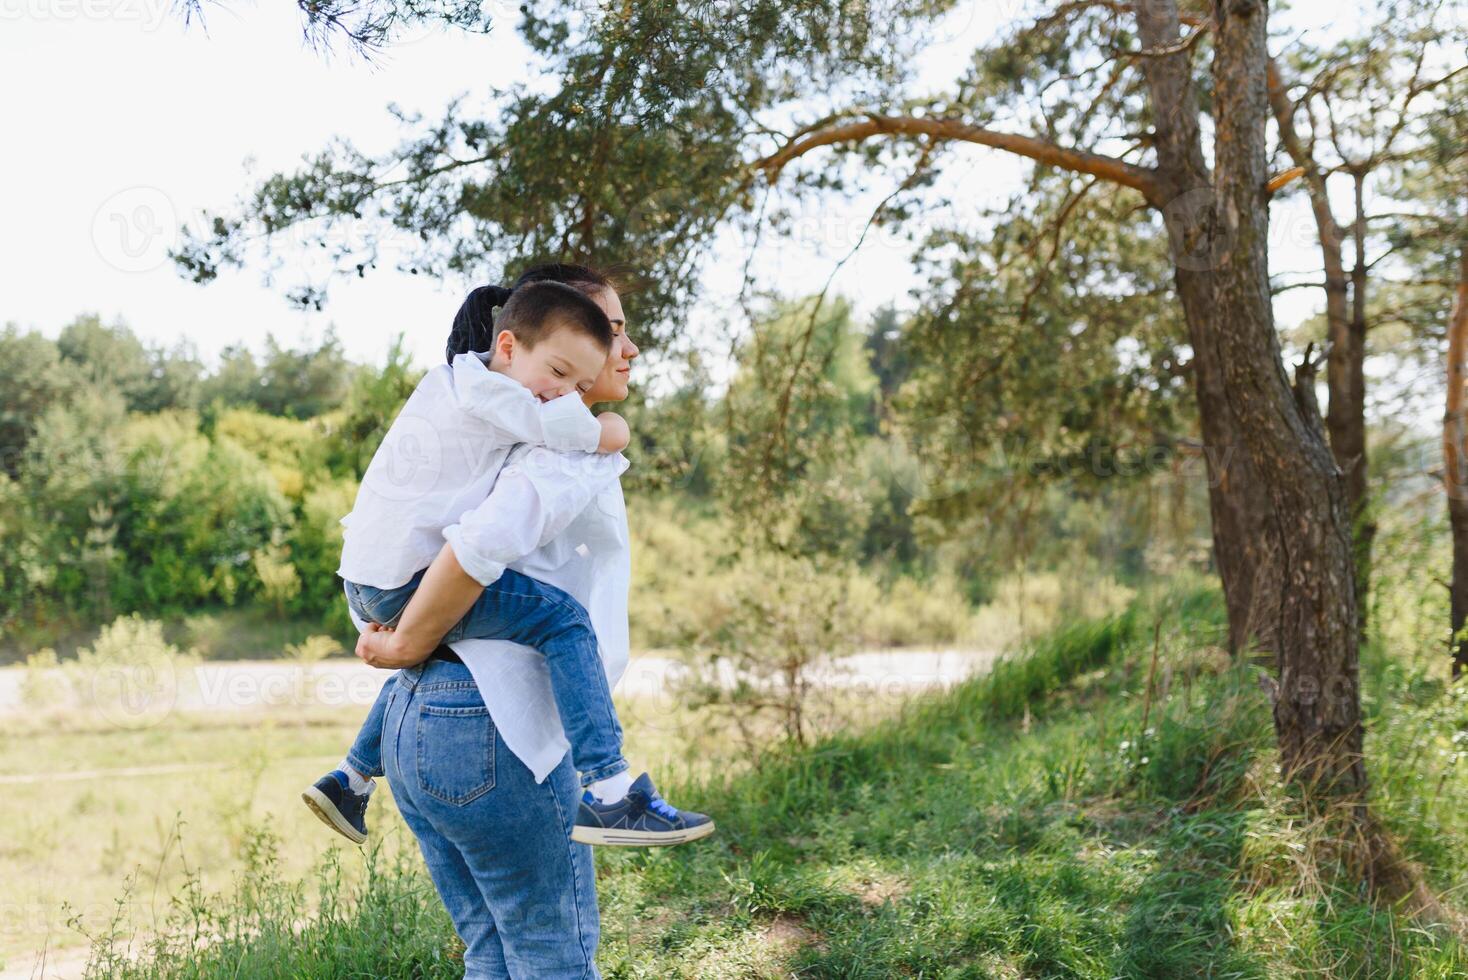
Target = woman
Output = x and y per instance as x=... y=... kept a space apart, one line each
x=489 y=789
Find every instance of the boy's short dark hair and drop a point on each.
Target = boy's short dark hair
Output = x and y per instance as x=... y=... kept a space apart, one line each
x=536 y=310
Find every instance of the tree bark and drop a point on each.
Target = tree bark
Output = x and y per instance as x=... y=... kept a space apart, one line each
x=1351 y=426
x=1455 y=456
x=1345 y=318
x=1311 y=615
x=1235 y=495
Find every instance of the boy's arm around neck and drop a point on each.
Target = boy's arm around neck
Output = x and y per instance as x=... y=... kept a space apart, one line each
x=564 y=423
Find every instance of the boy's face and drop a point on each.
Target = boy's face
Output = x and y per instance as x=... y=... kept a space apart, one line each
x=561 y=363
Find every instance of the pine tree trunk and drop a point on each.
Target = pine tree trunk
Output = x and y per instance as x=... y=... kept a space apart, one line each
x=1345 y=420
x=1235 y=495
x=1345 y=318
x=1351 y=456
x=1455 y=458
x=1310 y=584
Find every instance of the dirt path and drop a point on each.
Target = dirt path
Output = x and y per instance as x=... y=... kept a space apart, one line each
x=243 y=685
x=66 y=964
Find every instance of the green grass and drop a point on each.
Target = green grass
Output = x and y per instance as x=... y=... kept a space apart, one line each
x=91 y=810
x=1075 y=813
x=200 y=787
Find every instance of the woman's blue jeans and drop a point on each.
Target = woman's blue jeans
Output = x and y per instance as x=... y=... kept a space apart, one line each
x=521 y=893
x=525 y=610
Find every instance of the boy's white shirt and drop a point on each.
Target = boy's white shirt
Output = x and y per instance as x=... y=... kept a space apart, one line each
x=567 y=511
x=439 y=461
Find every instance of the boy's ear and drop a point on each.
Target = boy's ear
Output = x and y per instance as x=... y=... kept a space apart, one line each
x=504 y=345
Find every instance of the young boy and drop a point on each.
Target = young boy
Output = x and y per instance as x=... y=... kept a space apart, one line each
x=412 y=535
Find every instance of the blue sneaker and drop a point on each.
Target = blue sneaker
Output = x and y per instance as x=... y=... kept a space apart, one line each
x=642 y=818
x=332 y=799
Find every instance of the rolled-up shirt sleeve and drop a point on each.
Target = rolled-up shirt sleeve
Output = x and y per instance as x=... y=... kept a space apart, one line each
x=538 y=494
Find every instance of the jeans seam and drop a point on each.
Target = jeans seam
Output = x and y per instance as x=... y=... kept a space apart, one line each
x=613 y=722
x=381 y=769
x=571 y=846
x=577 y=610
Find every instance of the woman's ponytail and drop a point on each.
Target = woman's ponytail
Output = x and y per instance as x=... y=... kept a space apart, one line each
x=473 y=328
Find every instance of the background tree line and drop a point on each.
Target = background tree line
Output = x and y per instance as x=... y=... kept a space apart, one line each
x=135 y=480
x=139 y=481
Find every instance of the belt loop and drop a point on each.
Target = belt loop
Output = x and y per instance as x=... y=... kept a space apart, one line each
x=408 y=676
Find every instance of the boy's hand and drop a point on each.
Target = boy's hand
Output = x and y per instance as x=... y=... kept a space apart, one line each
x=379 y=647
x=615 y=433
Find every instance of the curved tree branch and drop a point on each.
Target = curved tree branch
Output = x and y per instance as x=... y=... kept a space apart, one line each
x=1143 y=179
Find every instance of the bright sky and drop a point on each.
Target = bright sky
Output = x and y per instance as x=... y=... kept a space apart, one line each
x=123 y=124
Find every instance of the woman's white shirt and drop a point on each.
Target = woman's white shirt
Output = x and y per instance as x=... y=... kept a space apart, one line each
x=567 y=511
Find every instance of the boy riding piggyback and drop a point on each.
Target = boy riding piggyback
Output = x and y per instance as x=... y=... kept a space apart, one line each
x=424 y=563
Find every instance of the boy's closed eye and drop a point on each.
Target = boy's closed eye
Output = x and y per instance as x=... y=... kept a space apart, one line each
x=583 y=386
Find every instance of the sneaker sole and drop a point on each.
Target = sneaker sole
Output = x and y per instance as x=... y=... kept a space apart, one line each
x=330 y=815
x=613 y=837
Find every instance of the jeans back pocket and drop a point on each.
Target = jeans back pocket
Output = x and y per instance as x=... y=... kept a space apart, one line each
x=455 y=752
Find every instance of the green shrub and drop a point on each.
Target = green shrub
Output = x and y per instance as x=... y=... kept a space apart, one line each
x=130 y=676
x=279 y=582
x=780 y=618
x=294 y=451
x=908 y=612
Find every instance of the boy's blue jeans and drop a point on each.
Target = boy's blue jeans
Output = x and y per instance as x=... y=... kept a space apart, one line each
x=519 y=608
x=521 y=893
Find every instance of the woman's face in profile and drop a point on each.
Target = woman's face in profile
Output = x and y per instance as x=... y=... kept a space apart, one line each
x=611 y=384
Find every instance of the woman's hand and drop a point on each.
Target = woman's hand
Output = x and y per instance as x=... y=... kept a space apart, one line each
x=378 y=647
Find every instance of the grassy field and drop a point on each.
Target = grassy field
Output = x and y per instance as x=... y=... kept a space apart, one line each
x=95 y=813
x=1087 y=810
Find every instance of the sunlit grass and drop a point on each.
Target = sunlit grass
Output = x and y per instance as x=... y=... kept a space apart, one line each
x=204 y=785
x=1105 y=805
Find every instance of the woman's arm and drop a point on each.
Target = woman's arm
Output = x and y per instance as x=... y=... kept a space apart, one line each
x=445 y=593
x=533 y=501
x=615 y=433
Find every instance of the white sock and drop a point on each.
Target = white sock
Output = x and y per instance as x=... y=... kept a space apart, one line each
x=356 y=782
x=613 y=788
